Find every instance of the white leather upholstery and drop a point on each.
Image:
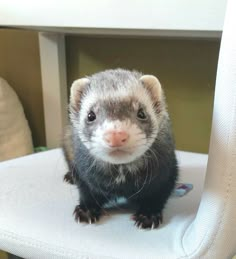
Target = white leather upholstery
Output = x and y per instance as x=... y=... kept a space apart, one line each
x=36 y=219
x=214 y=229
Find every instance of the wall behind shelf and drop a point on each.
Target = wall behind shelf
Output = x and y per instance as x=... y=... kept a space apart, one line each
x=3 y=255
x=186 y=69
x=20 y=66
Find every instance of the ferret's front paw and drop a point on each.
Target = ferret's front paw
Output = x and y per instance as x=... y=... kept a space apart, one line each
x=82 y=214
x=68 y=178
x=145 y=221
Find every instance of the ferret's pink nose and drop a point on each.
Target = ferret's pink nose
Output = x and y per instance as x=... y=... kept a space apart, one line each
x=116 y=138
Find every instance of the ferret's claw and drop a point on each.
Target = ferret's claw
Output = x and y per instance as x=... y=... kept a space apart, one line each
x=149 y=221
x=85 y=215
x=153 y=226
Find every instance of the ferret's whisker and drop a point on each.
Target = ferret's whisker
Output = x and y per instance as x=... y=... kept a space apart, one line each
x=131 y=196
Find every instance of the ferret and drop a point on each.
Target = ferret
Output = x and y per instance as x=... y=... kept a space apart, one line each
x=119 y=143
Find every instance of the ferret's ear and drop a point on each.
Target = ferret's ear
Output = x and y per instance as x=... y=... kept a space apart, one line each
x=153 y=85
x=76 y=92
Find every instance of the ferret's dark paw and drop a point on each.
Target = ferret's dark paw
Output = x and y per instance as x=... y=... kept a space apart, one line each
x=82 y=214
x=68 y=178
x=149 y=221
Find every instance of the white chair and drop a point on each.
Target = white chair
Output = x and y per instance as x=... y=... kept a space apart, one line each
x=36 y=206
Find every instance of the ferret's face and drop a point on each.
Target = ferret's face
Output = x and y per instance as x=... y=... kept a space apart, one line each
x=118 y=123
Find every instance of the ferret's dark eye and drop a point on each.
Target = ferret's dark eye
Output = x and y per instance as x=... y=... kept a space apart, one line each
x=91 y=116
x=141 y=115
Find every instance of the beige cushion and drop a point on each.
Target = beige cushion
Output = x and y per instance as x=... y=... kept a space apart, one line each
x=15 y=135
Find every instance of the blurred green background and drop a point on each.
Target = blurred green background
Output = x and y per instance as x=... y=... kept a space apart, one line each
x=186 y=69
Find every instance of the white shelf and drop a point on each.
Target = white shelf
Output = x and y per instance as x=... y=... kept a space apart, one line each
x=54 y=18
x=193 y=18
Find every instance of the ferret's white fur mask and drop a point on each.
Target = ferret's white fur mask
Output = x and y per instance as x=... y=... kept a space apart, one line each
x=88 y=96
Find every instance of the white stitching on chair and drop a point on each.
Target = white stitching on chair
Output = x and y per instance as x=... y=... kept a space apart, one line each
x=56 y=250
x=226 y=198
x=231 y=144
x=232 y=135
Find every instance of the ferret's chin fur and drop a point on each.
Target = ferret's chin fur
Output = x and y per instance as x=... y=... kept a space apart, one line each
x=117 y=157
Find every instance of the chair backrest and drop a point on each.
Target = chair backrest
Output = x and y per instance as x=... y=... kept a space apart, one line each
x=213 y=232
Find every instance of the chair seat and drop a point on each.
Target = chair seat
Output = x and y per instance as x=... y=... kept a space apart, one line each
x=36 y=219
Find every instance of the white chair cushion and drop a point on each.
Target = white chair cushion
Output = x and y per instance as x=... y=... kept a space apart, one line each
x=36 y=219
